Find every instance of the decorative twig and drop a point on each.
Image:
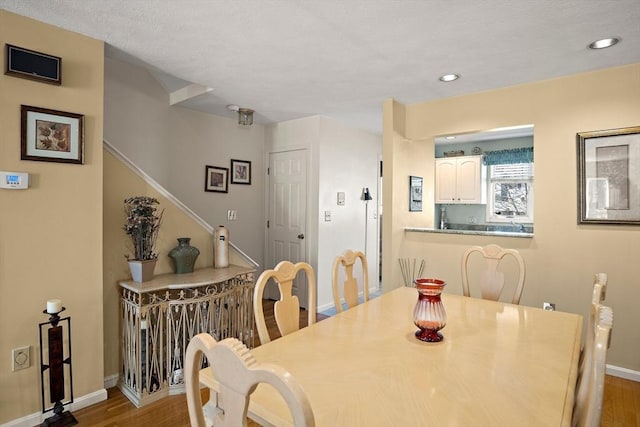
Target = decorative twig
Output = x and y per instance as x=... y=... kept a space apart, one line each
x=410 y=270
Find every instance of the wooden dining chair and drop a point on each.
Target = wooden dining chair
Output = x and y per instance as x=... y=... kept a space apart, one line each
x=350 y=291
x=492 y=280
x=597 y=297
x=600 y=281
x=237 y=374
x=586 y=357
x=587 y=409
x=287 y=308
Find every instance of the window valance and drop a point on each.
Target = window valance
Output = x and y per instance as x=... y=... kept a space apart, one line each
x=508 y=157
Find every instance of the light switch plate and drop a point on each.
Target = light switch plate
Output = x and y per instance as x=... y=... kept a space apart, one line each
x=327 y=216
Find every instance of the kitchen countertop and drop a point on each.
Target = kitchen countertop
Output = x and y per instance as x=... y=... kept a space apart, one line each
x=470 y=232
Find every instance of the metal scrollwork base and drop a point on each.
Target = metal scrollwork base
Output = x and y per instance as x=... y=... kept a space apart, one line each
x=157 y=326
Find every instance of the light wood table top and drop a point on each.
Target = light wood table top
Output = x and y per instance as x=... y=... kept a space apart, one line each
x=498 y=365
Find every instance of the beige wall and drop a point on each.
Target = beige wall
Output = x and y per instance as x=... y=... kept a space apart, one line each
x=397 y=156
x=51 y=234
x=120 y=183
x=348 y=160
x=563 y=256
x=173 y=145
x=136 y=122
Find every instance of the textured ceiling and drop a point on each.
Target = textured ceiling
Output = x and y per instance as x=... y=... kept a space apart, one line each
x=294 y=58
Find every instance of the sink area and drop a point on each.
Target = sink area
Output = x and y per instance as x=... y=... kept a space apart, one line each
x=501 y=230
x=496 y=228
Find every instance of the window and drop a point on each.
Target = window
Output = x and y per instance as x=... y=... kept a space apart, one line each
x=510 y=193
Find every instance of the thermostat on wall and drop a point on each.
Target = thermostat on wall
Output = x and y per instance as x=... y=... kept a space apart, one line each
x=14 y=180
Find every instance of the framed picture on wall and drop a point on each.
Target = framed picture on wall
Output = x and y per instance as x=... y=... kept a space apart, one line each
x=609 y=176
x=216 y=179
x=51 y=135
x=240 y=172
x=415 y=194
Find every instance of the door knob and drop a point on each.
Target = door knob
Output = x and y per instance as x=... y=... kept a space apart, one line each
x=301 y=236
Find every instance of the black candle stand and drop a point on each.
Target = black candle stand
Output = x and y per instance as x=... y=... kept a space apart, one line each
x=55 y=366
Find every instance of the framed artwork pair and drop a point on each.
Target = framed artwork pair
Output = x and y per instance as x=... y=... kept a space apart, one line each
x=217 y=178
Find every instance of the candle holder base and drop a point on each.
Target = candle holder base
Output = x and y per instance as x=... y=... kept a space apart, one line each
x=58 y=365
x=62 y=419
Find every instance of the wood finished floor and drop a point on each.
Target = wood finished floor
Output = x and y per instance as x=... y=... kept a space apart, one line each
x=621 y=402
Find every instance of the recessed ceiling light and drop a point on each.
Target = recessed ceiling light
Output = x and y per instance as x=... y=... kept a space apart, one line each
x=449 y=77
x=449 y=137
x=604 y=43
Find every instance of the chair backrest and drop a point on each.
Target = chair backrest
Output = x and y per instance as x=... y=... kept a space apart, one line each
x=350 y=289
x=597 y=297
x=492 y=280
x=587 y=410
x=237 y=374
x=287 y=309
x=599 y=288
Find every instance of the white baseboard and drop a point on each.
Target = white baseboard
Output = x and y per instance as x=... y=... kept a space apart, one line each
x=625 y=373
x=79 y=403
x=325 y=307
x=111 y=381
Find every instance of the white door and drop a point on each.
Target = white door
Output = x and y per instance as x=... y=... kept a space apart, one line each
x=286 y=226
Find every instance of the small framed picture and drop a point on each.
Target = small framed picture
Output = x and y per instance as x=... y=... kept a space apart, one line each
x=415 y=194
x=216 y=179
x=51 y=135
x=608 y=176
x=240 y=172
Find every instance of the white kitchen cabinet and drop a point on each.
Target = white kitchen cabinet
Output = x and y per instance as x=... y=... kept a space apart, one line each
x=460 y=180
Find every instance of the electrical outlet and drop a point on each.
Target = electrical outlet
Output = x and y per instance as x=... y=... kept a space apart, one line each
x=549 y=306
x=20 y=358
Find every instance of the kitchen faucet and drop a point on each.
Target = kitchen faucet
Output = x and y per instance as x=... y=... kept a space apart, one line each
x=520 y=226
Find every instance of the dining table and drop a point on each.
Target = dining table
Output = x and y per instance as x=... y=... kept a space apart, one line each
x=499 y=364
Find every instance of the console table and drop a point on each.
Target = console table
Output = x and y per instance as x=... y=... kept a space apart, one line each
x=159 y=317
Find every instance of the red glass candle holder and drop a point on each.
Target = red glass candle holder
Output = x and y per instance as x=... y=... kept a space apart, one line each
x=428 y=313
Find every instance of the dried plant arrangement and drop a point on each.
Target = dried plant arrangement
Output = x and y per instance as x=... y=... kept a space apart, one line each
x=143 y=220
